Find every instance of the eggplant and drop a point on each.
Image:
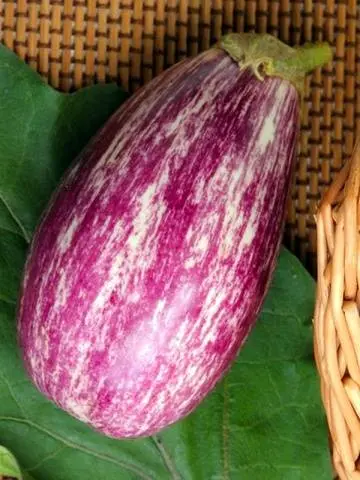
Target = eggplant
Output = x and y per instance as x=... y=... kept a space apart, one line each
x=153 y=258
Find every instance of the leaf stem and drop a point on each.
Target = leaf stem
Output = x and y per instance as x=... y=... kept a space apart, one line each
x=166 y=457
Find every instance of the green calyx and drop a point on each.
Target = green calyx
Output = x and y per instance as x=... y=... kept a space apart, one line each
x=268 y=56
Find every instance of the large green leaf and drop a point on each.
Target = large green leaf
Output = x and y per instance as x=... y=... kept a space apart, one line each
x=264 y=421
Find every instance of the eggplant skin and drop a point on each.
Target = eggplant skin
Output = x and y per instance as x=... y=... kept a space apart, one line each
x=153 y=258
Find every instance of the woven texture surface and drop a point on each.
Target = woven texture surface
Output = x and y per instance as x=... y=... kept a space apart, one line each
x=72 y=43
x=336 y=319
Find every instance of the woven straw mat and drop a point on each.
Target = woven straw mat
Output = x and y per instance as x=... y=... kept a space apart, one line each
x=72 y=43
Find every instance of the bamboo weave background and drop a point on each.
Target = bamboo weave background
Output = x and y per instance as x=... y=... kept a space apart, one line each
x=72 y=43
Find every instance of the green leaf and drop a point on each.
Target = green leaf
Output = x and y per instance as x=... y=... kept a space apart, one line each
x=41 y=132
x=8 y=464
x=264 y=421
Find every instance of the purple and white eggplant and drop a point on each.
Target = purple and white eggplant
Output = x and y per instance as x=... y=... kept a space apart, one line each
x=153 y=259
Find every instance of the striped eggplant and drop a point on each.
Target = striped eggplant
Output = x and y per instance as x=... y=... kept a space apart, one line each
x=152 y=260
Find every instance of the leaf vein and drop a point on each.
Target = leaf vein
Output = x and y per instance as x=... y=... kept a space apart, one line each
x=7 y=300
x=12 y=394
x=166 y=457
x=88 y=451
x=15 y=218
x=46 y=458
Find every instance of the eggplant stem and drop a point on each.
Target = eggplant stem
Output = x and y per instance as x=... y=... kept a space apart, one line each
x=277 y=59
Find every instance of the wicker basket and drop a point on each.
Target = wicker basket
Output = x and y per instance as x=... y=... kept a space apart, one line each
x=77 y=42
x=337 y=320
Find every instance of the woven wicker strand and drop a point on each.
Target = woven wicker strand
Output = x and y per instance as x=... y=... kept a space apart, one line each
x=336 y=319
